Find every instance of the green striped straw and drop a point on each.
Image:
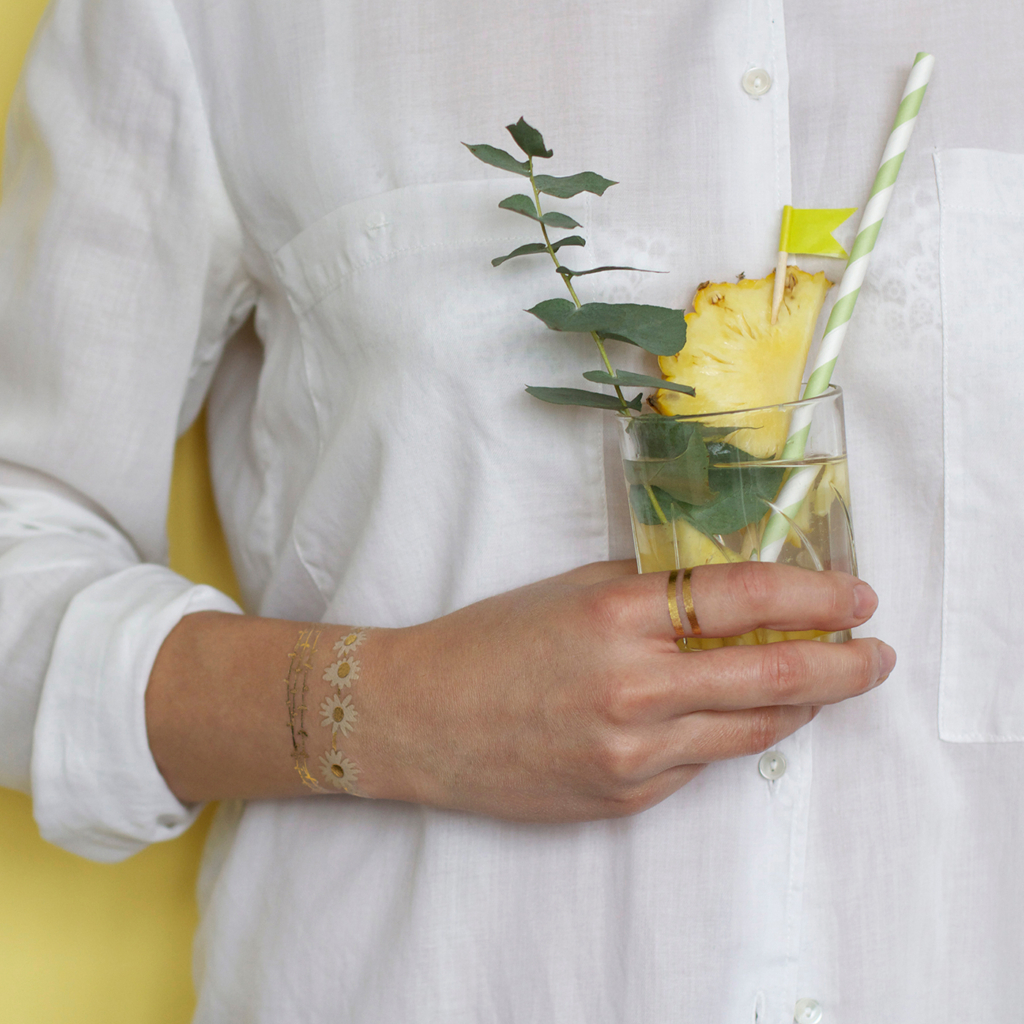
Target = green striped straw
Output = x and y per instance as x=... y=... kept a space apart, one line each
x=791 y=497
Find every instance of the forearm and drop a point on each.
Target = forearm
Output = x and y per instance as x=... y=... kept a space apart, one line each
x=236 y=704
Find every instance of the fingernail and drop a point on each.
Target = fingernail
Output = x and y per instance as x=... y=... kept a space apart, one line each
x=888 y=658
x=864 y=600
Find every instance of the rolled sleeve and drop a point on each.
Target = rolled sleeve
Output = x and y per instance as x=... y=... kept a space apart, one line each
x=96 y=789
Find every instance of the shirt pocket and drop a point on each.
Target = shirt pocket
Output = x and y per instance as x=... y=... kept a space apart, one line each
x=395 y=297
x=434 y=466
x=981 y=682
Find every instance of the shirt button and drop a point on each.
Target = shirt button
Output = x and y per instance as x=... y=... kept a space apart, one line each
x=772 y=766
x=756 y=82
x=807 y=1011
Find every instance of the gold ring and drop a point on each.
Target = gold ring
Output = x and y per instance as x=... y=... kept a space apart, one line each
x=673 y=606
x=691 y=613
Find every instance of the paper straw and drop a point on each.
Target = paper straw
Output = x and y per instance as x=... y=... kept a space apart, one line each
x=793 y=492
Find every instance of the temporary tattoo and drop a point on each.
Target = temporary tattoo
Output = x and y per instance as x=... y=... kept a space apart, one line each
x=340 y=714
x=300 y=664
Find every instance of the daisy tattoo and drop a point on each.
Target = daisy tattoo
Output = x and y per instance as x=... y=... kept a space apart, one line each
x=343 y=673
x=339 y=714
x=340 y=770
x=350 y=641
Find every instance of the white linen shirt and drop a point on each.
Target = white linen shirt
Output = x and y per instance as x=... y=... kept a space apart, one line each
x=178 y=170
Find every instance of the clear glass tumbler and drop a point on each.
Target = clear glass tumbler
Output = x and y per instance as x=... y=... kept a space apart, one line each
x=703 y=490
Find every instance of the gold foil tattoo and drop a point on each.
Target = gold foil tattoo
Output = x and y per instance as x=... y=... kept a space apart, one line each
x=300 y=664
x=338 y=712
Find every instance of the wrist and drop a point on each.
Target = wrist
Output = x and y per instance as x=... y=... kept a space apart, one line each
x=398 y=698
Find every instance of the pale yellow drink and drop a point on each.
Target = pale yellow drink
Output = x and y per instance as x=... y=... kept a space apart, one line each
x=821 y=537
x=698 y=496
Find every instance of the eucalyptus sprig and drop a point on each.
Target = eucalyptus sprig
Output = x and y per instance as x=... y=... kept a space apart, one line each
x=656 y=329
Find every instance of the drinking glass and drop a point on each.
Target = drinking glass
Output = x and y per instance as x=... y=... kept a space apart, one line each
x=703 y=489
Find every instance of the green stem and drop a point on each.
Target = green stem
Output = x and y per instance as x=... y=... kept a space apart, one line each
x=572 y=292
x=654 y=502
x=597 y=341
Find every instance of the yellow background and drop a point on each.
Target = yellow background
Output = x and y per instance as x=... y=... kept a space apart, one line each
x=84 y=943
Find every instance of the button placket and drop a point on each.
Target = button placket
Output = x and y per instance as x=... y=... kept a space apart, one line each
x=788 y=796
x=761 y=74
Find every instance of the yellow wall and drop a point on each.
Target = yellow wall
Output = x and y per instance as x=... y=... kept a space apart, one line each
x=84 y=943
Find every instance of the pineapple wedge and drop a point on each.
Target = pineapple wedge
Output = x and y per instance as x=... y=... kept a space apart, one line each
x=737 y=359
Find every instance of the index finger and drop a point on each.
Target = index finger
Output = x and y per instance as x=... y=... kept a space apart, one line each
x=730 y=600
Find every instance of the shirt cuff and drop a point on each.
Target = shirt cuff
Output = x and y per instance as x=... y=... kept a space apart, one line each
x=96 y=789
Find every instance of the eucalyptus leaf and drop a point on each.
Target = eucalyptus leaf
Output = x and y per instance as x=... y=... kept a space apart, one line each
x=556 y=314
x=526 y=206
x=566 y=272
x=554 y=219
x=524 y=250
x=578 y=396
x=656 y=329
x=637 y=380
x=528 y=139
x=662 y=437
x=532 y=248
x=499 y=158
x=520 y=204
x=684 y=478
x=573 y=185
x=743 y=485
x=568 y=240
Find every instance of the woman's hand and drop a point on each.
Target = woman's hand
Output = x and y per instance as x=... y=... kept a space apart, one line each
x=569 y=700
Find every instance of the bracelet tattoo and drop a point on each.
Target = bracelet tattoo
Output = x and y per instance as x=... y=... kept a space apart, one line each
x=338 y=711
x=340 y=714
x=300 y=664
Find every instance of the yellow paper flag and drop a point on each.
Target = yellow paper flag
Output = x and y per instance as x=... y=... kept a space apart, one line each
x=810 y=231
